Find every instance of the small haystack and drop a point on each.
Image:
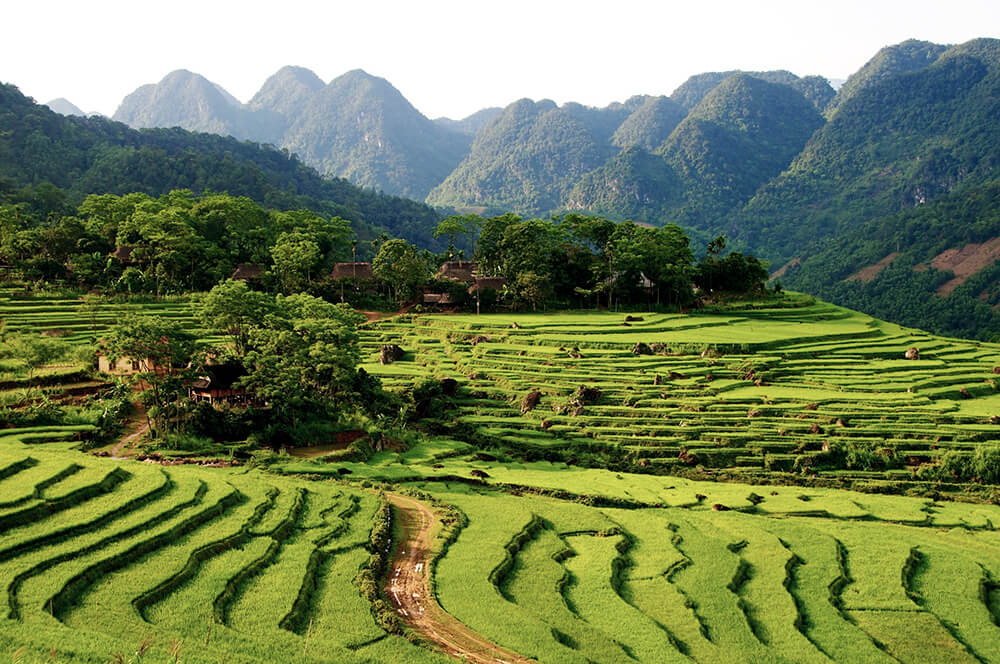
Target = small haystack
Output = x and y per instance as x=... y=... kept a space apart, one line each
x=912 y=353
x=530 y=401
x=390 y=353
x=641 y=348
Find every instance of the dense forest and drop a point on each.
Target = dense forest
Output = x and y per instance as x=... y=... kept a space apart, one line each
x=906 y=289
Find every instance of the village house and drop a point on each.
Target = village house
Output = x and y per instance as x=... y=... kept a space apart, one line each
x=461 y=271
x=216 y=385
x=353 y=271
x=248 y=272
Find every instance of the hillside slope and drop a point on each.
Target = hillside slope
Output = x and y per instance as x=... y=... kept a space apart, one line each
x=742 y=133
x=934 y=266
x=893 y=145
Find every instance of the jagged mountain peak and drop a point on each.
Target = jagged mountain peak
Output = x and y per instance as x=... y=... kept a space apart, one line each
x=64 y=106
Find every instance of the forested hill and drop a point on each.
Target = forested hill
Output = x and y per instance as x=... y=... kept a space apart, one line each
x=932 y=267
x=96 y=155
x=898 y=142
x=742 y=133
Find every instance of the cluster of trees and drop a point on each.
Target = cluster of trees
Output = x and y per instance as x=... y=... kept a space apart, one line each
x=174 y=243
x=578 y=261
x=299 y=353
x=72 y=157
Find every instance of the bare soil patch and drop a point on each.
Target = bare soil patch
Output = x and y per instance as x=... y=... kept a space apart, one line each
x=780 y=272
x=965 y=262
x=866 y=274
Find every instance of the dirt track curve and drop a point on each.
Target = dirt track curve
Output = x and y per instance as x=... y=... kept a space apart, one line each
x=409 y=590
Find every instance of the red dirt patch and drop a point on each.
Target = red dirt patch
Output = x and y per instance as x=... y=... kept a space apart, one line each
x=866 y=274
x=780 y=272
x=965 y=262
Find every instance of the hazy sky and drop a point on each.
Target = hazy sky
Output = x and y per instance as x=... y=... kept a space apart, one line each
x=453 y=57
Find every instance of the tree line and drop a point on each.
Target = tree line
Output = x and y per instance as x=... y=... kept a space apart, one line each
x=137 y=244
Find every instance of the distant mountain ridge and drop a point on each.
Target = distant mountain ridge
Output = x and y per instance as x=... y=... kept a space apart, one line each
x=357 y=127
x=361 y=128
x=64 y=106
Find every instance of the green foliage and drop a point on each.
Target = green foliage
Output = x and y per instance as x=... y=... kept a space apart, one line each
x=398 y=265
x=900 y=292
x=894 y=144
x=295 y=258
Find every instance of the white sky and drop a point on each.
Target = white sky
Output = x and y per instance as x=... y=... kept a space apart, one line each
x=453 y=57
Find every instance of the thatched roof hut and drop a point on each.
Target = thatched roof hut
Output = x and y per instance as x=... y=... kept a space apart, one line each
x=248 y=272
x=461 y=271
x=355 y=271
x=487 y=283
x=438 y=298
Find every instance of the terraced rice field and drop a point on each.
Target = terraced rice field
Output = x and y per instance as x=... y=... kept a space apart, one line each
x=565 y=582
x=761 y=390
x=98 y=557
x=65 y=317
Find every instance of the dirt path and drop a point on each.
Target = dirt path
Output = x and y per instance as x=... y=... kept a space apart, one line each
x=409 y=591
x=138 y=427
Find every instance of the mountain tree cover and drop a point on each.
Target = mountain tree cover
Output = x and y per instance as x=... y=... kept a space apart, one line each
x=528 y=157
x=894 y=144
x=61 y=160
x=740 y=134
x=905 y=295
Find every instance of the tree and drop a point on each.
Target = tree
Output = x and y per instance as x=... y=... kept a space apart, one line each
x=234 y=308
x=454 y=226
x=302 y=359
x=295 y=256
x=399 y=265
x=532 y=287
x=163 y=350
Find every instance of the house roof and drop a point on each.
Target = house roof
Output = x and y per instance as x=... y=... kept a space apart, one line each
x=484 y=283
x=248 y=271
x=219 y=376
x=438 y=298
x=463 y=271
x=123 y=253
x=353 y=271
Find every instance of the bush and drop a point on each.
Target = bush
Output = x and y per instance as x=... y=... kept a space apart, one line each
x=986 y=464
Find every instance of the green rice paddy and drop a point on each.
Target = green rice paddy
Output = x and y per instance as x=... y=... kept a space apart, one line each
x=556 y=561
